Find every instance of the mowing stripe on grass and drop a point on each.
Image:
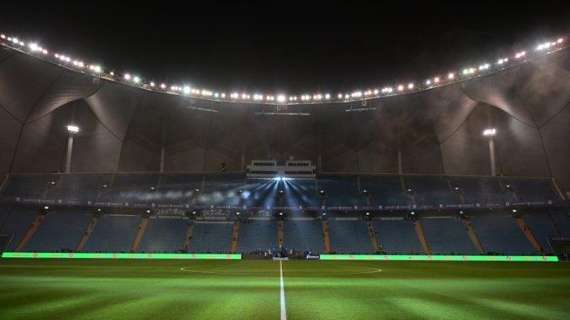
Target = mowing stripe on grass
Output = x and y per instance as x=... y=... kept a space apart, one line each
x=282 y=292
x=439 y=258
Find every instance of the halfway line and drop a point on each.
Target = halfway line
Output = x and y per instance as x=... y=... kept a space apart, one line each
x=282 y=295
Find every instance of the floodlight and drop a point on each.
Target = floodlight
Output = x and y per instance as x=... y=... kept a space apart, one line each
x=490 y=132
x=428 y=82
x=95 y=68
x=72 y=128
x=436 y=80
x=127 y=76
x=410 y=85
x=401 y=88
x=46 y=208
x=281 y=98
x=560 y=40
x=34 y=46
x=136 y=79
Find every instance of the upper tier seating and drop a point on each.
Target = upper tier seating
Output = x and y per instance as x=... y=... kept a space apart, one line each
x=226 y=190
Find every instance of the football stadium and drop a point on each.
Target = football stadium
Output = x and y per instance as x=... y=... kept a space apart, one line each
x=124 y=197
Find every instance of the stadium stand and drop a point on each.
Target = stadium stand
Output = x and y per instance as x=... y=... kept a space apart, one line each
x=447 y=235
x=397 y=236
x=60 y=231
x=15 y=224
x=113 y=233
x=304 y=235
x=257 y=235
x=165 y=234
x=543 y=228
x=213 y=236
x=500 y=234
x=349 y=235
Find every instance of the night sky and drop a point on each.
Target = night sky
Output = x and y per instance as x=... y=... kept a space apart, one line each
x=285 y=46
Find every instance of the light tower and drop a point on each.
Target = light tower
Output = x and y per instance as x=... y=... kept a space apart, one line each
x=72 y=131
x=490 y=133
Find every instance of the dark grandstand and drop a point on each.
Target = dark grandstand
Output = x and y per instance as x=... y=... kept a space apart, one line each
x=477 y=166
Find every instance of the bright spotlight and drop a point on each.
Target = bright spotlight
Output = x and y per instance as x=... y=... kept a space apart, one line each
x=34 y=46
x=451 y=76
x=490 y=132
x=127 y=76
x=72 y=128
x=95 y=68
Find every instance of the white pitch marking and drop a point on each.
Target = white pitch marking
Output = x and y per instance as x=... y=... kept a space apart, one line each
x=282 y=295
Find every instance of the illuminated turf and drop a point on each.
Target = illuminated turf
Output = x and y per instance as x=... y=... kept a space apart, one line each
x=148 y=289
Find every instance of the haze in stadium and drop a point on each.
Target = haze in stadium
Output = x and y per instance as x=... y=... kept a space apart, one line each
x=284 y=160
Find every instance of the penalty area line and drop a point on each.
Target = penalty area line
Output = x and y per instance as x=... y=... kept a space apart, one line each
x=282 y=292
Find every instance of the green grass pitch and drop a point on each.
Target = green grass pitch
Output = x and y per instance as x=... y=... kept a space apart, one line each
x=150 y=289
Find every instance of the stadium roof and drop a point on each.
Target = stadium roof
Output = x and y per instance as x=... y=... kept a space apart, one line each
x=468 y=72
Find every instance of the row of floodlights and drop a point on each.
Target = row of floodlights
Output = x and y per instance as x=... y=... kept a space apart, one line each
x=187 y=90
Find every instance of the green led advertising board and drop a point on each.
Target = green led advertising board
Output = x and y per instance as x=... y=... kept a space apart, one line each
x=155 y=256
